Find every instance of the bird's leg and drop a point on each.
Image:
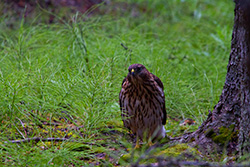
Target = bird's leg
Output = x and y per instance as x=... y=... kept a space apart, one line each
x=137 y=142
x=150 y=143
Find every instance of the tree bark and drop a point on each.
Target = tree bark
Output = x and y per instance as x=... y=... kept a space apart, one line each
x=228 y=126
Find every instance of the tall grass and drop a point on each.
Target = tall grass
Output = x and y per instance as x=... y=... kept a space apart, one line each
x=71 y=72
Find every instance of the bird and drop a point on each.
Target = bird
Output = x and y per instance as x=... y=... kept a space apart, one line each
x=142 y=104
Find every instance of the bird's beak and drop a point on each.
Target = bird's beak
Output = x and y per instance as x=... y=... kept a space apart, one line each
x=133 y=72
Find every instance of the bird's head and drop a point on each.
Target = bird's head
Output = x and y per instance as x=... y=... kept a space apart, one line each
x=137 y=72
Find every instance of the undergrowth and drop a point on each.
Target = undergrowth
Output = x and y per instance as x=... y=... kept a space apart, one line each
x=62 y=80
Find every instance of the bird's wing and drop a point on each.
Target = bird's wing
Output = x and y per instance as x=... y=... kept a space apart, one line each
x=158 y=81
x=121 y=94
x=124 y=113
x=160 y=84
x=124 y=80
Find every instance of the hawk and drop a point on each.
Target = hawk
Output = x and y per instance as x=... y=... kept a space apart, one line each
x=142 y=104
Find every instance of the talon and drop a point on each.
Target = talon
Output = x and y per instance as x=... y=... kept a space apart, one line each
x=137 y=146
x=150 y=143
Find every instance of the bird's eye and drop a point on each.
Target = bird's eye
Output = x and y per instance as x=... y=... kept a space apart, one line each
x=139 y=69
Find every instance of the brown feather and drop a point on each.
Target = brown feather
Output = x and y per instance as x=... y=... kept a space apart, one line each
x=142 y=102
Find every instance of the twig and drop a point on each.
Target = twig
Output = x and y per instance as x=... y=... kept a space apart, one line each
x=19 y=131
x=36 y=139
x=49 y=123
x=129 y=51
x=161 y=162
x=143 y=156
x=178 y=163
x=125 y=47
x=23 y=126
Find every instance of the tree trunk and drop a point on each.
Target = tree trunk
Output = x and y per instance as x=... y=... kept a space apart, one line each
x=228 y=126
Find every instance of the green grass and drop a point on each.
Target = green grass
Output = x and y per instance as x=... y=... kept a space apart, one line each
x=70 y=73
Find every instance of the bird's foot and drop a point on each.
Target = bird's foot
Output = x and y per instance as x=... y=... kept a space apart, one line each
x=137 y=146
x=150 y=144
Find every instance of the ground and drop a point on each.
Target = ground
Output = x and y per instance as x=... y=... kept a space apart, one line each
x=62 y=80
